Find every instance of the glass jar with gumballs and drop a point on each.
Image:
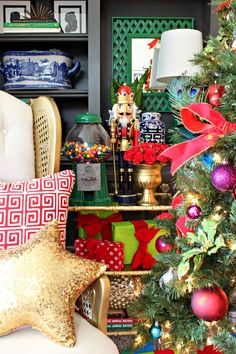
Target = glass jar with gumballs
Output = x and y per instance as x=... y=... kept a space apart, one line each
x=87 y=146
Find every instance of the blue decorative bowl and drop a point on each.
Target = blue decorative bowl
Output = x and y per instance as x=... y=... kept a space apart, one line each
x=38 y=69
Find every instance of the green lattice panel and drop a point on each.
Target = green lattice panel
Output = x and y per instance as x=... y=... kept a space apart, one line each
x=156 y=102
x=122 y=29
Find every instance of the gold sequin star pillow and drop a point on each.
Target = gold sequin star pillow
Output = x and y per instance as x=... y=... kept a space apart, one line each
x=40 y=282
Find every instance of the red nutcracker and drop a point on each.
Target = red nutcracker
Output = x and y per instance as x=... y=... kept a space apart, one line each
x=124 y=134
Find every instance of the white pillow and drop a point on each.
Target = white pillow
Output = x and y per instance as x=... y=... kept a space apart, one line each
x=89 y=340
x=16 y=139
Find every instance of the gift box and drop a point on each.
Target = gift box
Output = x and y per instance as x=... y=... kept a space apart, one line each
x=108 y=252
x=124 y=231
x=96 y=224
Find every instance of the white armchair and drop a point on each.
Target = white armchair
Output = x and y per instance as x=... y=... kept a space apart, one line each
x=30 y=141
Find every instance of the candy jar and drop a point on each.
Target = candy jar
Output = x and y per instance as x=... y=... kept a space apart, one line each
x=87 y=145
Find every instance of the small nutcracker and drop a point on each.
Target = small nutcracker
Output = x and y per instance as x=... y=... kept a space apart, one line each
x=124 y=129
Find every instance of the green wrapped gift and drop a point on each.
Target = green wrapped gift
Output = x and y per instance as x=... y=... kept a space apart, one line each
x=90 y=220
x=124 y=231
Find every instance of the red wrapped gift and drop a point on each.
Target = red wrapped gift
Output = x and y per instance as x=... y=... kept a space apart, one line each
x=108 y=252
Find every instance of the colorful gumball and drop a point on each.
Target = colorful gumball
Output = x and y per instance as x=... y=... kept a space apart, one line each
x=210 y=304
x=223 y=177
x=194 y=212
x=161 y=244
x=85 y=152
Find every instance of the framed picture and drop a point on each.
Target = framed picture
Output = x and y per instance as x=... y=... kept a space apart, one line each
x=133 y=42
x=71 y=15
x=12 y=10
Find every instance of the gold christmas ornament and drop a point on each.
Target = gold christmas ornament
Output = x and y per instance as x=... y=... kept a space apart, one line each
x=40 y=282
x=220 y=211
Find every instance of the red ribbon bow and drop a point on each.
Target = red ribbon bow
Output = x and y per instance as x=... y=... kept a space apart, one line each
x=210 y=133
x=93 y=225
x=94 y=249
x=144 y=235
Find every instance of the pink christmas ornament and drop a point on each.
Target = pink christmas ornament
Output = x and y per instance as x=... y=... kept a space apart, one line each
x=210 y=304
x=161 y=245
x=194 y=211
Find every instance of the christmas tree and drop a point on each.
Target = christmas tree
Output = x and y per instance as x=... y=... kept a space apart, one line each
x=189 y=296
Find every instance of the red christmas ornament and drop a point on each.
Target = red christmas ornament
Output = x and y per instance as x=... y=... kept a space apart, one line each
x=161 y=245
x=214 y=94
x=210 y=304
x=234 y=191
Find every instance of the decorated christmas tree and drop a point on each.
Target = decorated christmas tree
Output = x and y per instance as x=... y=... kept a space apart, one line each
x=189 y=298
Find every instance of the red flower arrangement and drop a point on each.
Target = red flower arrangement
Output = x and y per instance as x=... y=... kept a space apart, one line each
x=146 y=153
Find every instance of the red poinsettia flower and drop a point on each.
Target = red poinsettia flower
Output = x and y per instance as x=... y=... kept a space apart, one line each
x=210 y=349
x=147 y=153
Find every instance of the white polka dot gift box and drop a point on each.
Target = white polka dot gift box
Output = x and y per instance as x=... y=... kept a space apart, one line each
x=108 y=252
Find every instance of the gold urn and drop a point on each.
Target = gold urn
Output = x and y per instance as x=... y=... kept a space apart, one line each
x=148 y=178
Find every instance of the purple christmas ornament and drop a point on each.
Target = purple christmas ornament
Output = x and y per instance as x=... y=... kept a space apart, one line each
x=223 y=177
x=161 y=245
x=194 y=211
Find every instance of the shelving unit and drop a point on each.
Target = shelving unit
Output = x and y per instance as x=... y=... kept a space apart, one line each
x=121 y=208
x=85 y=94
x=39 y=37
x=69 y=93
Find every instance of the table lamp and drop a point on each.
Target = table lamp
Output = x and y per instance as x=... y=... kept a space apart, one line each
x=154 y=84
x=174 y=56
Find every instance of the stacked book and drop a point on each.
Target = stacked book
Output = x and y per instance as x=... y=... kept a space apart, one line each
x=29 y=26
x=120 y=324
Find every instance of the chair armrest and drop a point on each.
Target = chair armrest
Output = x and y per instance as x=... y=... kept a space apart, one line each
x=94 y=302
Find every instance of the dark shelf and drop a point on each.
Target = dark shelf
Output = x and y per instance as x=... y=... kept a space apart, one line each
x=42 y=37
x=67 y=93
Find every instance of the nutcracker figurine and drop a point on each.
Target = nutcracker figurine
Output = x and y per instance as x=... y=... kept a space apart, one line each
x=124 y=127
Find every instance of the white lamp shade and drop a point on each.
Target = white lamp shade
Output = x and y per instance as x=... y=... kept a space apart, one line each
x=177 y=48
x=154 y=84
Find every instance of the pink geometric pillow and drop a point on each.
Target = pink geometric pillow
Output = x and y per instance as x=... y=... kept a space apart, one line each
x=28 y=205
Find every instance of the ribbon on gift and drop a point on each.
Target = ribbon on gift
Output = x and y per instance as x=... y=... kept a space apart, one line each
x=164 y=351
x=93 y=225
x=93 y=250
x=216 y=127
x=144 y=235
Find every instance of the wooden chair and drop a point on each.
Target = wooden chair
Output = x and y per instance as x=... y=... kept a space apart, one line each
x=47 y=145
x=94 y=302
